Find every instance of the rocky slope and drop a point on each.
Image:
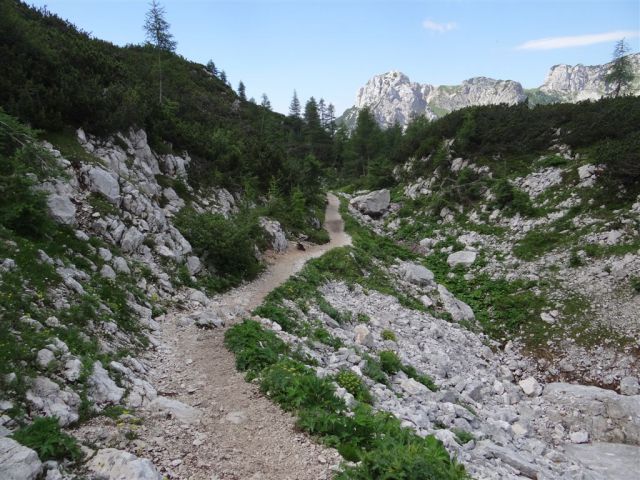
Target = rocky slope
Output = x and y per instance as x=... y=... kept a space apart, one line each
x=79 y=307
x=393 y=98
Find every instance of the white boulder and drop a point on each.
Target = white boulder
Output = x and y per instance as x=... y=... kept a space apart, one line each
x=113 y=464
x=463 y=257
x=18 y=462
x=373 y=203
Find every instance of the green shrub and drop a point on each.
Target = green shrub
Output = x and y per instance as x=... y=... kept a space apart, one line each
x=373 y=370
x=322 y=335
x=284 y=317
x=47 y=439
x=353 y=384
x=425 y=380
x=388 y=335
x=463 y=436
x=227 y=246
x=512 y=200
x=294 y=386
x=635 y=283
x=255 y=347
x=362 y=318
x=389 y=362
x=575 y=260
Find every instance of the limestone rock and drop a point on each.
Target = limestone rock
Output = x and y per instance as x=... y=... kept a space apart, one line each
x=103 y=182
x=62 y=209
x=373 y=203
x=181 y=411
x=102 y=389
x=456 y=308
x=464 y=258
x=629 y=386
x=48 y=398
x=530 y=387
x=362 y=335
x=276 y=234
x=416 y=274
x=112 y=464
x=18 y=462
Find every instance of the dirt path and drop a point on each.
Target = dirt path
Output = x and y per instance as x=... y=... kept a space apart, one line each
x=240 y=434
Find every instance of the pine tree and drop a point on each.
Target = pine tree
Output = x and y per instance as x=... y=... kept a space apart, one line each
x=331 y=120
x=211 y=68
x=241 y=92
x=223 y=76
x=265 y=102
x=294 y=108
x=311 y=116
x=158 y=35
x=322 y=111
x=621 y=74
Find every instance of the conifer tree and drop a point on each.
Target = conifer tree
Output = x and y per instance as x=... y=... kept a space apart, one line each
x=322 y=112
x=621 y=74
x=241 y=92
x=211 y=68
x=331 y=120
x=294 y=107
x=265 y=102
x=223 y=76
x=158 y=35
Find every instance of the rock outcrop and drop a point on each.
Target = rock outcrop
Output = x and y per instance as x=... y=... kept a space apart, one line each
x=394 y=99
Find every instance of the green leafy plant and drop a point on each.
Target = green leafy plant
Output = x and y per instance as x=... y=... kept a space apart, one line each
x=388 y=335
x=353 y=384
x=47 y=439
x=389 y=362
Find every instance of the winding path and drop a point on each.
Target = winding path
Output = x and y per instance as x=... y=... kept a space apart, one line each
x=240 y=434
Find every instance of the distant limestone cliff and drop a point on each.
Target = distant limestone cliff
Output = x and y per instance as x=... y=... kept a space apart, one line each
x=394 y=98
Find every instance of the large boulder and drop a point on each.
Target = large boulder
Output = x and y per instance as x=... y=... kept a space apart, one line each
x=373 y=203
x=464 y=258
x=456 y=308
x=416 y=274
x=49 y=399
x=62 y=209
x=112 y=464
x=103 y=182
x=275 y=233
x=18 y=462
x=102 y=389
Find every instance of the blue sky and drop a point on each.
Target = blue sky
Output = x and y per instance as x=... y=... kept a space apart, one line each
x=330 y=48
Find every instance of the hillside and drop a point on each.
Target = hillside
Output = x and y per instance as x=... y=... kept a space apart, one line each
x=180 y=297
x=393 y=98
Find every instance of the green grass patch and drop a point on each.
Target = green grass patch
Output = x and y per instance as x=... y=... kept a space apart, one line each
x=48 y=440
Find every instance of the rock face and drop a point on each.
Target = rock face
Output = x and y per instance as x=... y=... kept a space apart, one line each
x=373 y=204
x=112 y=464
x=393 y=98
x=581 y=82
x=18 y=462
x=48 y=398
x=275 y=233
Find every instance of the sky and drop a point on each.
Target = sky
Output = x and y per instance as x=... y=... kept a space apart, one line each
x=330 y=48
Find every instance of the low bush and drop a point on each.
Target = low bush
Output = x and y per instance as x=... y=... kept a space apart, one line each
x=389 y=362
x=227 y=246
x=353 y=384
x=48 y=440
x=255 y=348
x=373 y=370
x=388 y=335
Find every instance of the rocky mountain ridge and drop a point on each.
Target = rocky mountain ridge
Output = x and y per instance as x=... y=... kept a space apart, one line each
x=394 y=98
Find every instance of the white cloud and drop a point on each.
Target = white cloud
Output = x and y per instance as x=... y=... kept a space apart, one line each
x=439 y=27
x=553 y=43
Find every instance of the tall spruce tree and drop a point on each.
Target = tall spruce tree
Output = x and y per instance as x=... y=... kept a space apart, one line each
x=211 y=68
x=295 y=109
x=265 y=102
x=322 y=111
x=330 y=123
x=242 y=92
x=158 y=35
x=621 y=74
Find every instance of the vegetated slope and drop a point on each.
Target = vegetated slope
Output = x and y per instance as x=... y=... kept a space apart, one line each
x=544 y=202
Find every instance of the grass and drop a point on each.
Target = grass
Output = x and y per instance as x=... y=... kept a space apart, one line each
x=388 y=335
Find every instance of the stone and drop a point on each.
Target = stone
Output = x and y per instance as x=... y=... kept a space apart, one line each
x=237 y=418
x=121 y=266
x=530 y=387
x=416 y=274
x=194 y=266
x=112 y=464
x=48 y=398
x=62 y=209
x=105 y=254
x=463 y=257
x=208 y=319
x=579 y=437
x=412 y=387
x=274 y=231
x=629 y=386
x=44 y=358
x=107 y=272
x=362 y=336
x=458 y=310
x=72 y=369
x=181 y=411
x=373 y=204
x=18 y=462
x=103 y=182
x=102 y=389
x=131 y=240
